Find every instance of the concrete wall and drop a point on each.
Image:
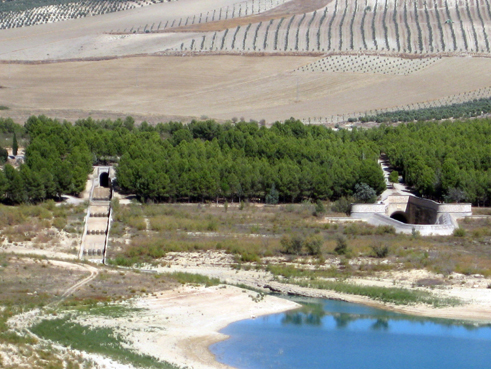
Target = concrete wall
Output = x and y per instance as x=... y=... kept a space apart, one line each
x=367 y=209
x=422 y=211
x=445 y=229
x=424 y=216
x=456 y=210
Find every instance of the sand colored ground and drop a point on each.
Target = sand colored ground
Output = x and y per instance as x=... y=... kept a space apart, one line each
x=158 y=88
x=178 y=326
x=86 y=37
x=223 y=87
x=472 y=291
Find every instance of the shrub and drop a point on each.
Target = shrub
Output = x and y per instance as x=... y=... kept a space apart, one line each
x=364 y=193
x=342 y=205
x=358 y=228
x=385 y=229
x=138 y=223
x=122 y=261
x=313 y=244
x=415 y=233
x=249 y=257
x=319 y=209
x=292 y=244
x=394 y=176
x=379 y=251
x=341 y=245
x=115 y=204
x=459 y=232
x=59 y=223
x=212 y=226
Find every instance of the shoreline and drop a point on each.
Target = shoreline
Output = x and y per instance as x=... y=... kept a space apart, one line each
x=186 y=341
x=195 y=348
x=178 y=326
x=191 y=347
x=472 y=312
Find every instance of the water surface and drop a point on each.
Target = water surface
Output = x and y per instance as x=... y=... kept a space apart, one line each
x=332 y=334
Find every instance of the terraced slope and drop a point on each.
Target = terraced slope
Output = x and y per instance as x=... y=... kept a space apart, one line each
x=446 y=27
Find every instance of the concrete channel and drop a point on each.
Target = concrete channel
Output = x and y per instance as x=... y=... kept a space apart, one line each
x=99 y=216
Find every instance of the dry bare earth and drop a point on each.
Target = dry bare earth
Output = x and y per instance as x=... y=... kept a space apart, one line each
x=225 y=86
x=163 y=88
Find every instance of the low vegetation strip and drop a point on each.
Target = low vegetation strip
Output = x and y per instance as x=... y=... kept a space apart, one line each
x=467 y=109
x=391 y=295
x=185 y=278
x=102 y=341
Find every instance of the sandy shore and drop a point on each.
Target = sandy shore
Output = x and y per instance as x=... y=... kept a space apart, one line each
x=472 y=291
x=178 y=326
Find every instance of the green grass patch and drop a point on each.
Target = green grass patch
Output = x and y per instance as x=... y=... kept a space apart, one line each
x=246 y=287
x=103 y=341
x=107 y=310
x=8 y=336
x=3 y=107
x=287 y=271
x=393 y=295
x=191 y=278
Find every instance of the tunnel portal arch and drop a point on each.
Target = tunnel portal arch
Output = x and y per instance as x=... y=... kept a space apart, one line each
x=400 y=216
x=104 y=179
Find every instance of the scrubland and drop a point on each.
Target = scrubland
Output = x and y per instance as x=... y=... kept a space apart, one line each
x=250 y=232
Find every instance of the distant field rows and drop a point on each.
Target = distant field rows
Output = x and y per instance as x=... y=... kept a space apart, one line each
x=62 y=12
x=236 y=10
x=385 y=26
x=445 y=101
x=368 y=64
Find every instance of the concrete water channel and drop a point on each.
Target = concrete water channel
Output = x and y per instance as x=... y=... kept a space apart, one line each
x=99 y=215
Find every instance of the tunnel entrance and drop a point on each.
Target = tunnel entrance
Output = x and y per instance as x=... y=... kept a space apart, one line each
x=104 y=179
x=400 y=216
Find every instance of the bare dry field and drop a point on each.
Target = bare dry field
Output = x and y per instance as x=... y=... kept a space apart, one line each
x=268 y=59
x=222 y=87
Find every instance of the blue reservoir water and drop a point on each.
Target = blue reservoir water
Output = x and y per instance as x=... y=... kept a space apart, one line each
x=332 y=334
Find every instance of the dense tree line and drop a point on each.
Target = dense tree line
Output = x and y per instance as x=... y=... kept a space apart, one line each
x=56 y=162
x=290 y=161
x=474 y=108
x=445 y=161
x=205 y=160
x=200 y=161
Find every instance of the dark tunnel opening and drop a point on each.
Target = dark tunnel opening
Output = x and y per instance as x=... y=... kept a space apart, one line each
x=104 y=179
x=400 y=216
